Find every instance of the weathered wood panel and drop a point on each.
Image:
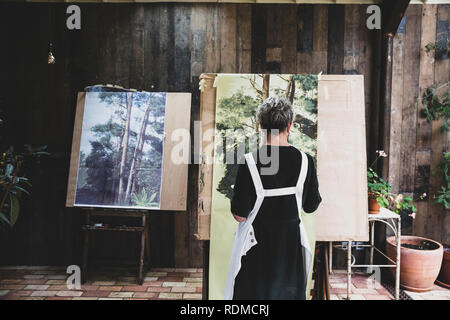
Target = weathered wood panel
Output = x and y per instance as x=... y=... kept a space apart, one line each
x=437 y=224
x=320 y=39
x=416 y=145
x=259 y=38
x=153 y=47
x=424 y=127
x=409 y=108
x=443 y=76
x=244 y=41
x=336 y=24
x=396 y=108
x=305 y=38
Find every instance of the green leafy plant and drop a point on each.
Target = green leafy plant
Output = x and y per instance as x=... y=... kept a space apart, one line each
x=381 y=190
x=443 y=196
x=437 y=106
x=431 y=46
x=398 y=203
x=378 y=188
x=12 y=183
x=142 y=199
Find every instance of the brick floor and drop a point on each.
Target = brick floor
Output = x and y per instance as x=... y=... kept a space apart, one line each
x=39 y=283
x=362 y=287
x=437 y=293
x=49 y=283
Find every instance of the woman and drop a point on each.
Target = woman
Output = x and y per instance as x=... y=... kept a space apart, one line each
x=270 y=250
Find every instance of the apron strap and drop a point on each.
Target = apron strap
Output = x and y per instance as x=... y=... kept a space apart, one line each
x=279 y=191
x=303 y=171
x=307 y=252
x=254 y=173
x=244 y=239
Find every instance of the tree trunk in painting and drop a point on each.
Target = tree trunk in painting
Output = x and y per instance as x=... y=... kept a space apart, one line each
x=126 y=138
x=290 y=90
x=117 y=156
x=119 y=145
x=137 y=155
x=266 y=87
x=138 y=163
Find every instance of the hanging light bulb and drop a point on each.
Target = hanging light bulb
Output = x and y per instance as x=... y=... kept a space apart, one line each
x=51 y=58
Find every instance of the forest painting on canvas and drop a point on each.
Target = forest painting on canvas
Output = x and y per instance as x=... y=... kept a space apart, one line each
x=237 y=99
x=121 y=148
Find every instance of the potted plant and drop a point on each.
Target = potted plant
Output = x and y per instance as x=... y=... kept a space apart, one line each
x=403 y=205
x=13 y=184
x=420 y=257
x=378 y=188
x=421 y=260
x=444 y=275
x=399 y=203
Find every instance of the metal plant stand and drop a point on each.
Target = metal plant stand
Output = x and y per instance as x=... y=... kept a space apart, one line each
x=392 y=220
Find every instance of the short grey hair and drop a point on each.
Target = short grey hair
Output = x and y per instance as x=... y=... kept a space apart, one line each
x=275 y=113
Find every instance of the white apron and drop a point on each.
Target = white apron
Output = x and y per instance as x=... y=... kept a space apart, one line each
x=244 y=237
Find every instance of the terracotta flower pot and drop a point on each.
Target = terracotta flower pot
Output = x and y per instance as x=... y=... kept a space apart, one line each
x=418 y=268
x=374 y=207
x=444 y=275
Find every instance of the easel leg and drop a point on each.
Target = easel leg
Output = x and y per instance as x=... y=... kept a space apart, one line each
x=326 y=278
x=84 y=273
x=141 y=258
x=397 y=267
x=147 y=243
x=349 y=268
x=205 y=285
x=372 y=244
x=85 y=257
x=330 y=257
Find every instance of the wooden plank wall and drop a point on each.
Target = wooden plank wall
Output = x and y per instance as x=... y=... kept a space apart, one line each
x=416 y=145
x=153 y=47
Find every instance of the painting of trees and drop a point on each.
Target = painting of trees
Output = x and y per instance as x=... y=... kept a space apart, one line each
x=121 y=147
x=238 y=97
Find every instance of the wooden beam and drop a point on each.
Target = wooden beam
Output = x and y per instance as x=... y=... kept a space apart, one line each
x=385 y=98
x=392 y=13
x=395 y=133
x=424 y=127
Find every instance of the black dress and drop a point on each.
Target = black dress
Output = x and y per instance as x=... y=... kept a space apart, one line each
x=272 y=270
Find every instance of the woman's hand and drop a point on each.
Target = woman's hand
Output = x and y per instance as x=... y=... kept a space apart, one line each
x=238 y=218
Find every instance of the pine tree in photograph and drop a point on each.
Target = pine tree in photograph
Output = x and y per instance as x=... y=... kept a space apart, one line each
x=124 y=164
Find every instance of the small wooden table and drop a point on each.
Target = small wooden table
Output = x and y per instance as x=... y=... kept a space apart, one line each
x=142 y=230
x=392 y=220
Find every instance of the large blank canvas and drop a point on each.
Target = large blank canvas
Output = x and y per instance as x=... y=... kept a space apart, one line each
x=341 y=159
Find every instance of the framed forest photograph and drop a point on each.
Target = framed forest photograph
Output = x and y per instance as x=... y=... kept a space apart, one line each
x=121 y=150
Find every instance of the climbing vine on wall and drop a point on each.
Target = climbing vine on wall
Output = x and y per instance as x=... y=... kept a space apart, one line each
x=437 y=107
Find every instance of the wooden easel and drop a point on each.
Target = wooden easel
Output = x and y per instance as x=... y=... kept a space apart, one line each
x=321 y=290
x=142 y=230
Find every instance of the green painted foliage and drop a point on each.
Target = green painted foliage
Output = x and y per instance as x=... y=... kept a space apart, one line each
x=236 y=118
